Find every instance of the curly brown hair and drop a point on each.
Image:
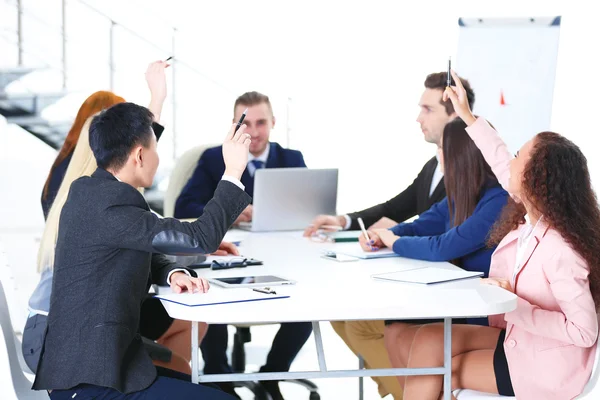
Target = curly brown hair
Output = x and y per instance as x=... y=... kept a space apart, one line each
x=557 y=182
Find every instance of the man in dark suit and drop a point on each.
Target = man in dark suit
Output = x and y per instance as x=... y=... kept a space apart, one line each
x=191 y=202
x=366 y=337
x=428 y=187
x=108 y=251
x=263 y=154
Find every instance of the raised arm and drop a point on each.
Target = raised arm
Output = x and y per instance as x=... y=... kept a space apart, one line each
x=486 y=138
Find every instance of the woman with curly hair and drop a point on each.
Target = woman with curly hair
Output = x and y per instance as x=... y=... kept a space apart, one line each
x=548 y=240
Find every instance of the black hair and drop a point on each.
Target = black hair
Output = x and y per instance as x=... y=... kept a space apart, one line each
x=117 y=130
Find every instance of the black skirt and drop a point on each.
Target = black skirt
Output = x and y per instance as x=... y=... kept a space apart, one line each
x=503 y=381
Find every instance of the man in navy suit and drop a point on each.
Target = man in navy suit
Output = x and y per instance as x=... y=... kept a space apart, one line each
x=195 y=195
x=263 y=154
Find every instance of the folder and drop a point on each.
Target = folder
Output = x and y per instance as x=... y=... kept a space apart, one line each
x=218 y=296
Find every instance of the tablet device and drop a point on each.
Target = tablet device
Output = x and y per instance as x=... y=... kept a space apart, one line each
x=250 y=281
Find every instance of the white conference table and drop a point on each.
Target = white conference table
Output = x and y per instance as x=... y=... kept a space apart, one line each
x=327 y=290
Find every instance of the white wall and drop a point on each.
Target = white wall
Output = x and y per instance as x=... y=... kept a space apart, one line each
x=24 y=165
x=353 y=69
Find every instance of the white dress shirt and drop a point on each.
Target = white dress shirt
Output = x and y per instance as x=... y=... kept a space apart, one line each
x=522 y=243
x=438 y=175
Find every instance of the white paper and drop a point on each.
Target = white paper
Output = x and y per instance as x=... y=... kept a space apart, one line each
x=427 y=275
x=218 y=296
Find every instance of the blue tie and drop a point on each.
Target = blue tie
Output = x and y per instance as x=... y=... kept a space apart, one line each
x=257 y=164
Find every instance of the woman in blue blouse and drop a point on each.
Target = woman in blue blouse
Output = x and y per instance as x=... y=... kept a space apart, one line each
x=455 y=229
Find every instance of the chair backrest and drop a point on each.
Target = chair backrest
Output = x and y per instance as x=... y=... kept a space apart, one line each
x=592 y=388
x=21 y=385
x=184 y=168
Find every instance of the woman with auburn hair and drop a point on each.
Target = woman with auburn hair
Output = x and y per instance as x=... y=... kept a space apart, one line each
x=549 y=241
x=91 y=106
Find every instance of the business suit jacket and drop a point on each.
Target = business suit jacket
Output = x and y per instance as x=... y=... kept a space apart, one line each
x=103 y=264
x=414 y=200
x=550 y=336
x=201 y=186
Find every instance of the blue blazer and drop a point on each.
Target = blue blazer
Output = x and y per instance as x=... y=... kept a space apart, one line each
x=209 y=171
x=431 y=237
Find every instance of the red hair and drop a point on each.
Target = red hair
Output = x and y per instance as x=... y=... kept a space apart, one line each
x=92 y=105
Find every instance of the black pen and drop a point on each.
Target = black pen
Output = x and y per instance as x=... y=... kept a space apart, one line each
x=240 y=121
x=168 y=58
x=449 y=77
x=265 y=291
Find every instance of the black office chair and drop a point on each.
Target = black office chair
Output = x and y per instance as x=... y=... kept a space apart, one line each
x=238 y=363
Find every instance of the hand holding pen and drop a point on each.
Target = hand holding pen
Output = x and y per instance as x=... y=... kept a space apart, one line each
x=369 y=241
x=458 y=96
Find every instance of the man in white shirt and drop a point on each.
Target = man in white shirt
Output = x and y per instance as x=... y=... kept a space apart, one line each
x=428 y=187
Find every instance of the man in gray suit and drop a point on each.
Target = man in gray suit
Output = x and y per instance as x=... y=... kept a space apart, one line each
x=109 y=249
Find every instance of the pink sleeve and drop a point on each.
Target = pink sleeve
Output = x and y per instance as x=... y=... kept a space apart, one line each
x=493 y=148
x=576 y=323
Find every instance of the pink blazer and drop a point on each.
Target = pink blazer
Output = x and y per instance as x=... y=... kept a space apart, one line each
x=550 y=336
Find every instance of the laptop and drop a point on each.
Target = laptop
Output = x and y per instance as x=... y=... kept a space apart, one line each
x=288 y=199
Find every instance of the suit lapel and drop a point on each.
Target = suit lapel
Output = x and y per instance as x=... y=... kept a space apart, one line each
x=511 y=237
x=429 y=175
x=272 y=160
x=437 y=193
x=537 y=235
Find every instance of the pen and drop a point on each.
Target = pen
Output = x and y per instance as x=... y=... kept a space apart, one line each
x=448 y=76
x=168 y=58
x=265 y=290
x=240 y=121
x=362 y=228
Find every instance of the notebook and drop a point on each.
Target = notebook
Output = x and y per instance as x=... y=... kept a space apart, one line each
x=428 y=275
x=356 y=251
x=216 y=297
